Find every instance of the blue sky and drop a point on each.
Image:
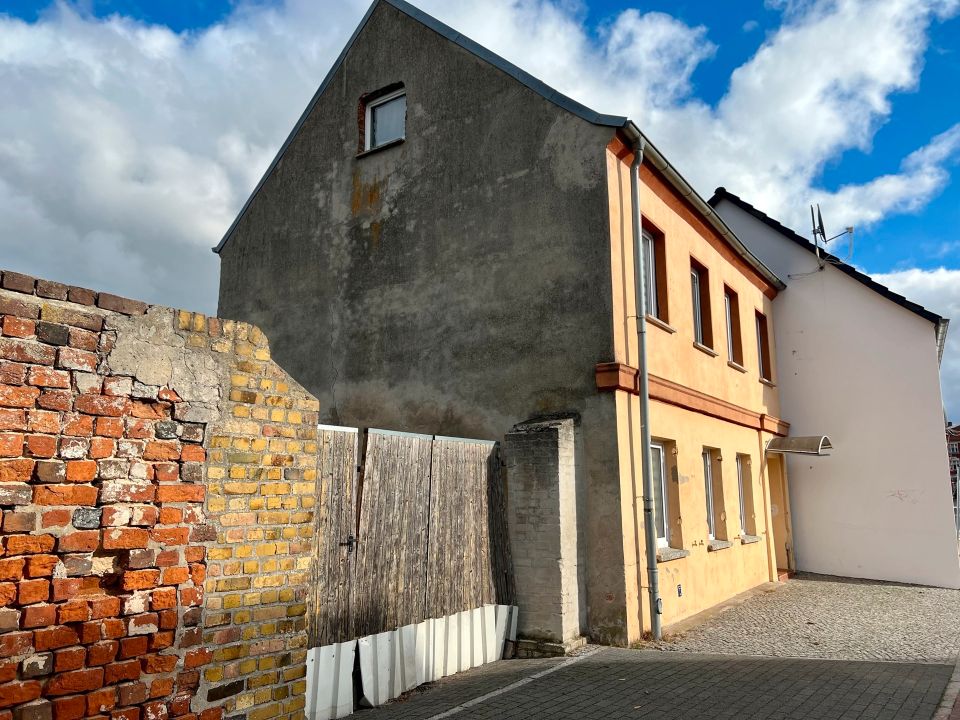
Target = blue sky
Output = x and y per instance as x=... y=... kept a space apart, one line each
x=927 y=239
x=133 y=130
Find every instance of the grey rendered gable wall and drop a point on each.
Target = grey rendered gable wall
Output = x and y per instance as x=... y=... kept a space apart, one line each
x=458 y=283
x=538 y=86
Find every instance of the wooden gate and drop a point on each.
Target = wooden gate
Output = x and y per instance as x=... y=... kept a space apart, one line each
x=334 y=534
x=410 y=527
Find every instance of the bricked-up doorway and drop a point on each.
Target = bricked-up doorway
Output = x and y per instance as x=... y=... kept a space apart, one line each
x=409 y=527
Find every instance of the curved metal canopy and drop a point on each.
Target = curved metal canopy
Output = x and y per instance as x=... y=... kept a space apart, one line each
x=807 y=445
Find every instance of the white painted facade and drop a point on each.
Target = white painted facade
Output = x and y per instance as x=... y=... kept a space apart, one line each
x=856 y=366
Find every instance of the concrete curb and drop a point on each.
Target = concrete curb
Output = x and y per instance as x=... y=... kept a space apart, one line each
x=950 y=703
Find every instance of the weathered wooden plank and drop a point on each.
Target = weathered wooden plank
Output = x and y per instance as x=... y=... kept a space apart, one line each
x=467 y=565
x=501 y=565
x=389 y=578
x=329 y=607
x=431 y=532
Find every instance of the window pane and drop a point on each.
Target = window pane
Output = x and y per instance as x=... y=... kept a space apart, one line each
x=763 y=347
x=743 y=509
x=650 y=275
x=388 y=121
x=697 y=318
x=727 y=303
x=708 y=489
x=660 y=508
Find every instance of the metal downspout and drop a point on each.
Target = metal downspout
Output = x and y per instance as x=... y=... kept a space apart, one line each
x=649 y=526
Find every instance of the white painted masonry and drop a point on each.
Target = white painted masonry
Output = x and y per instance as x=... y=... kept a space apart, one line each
x=542 y=521
x=856 y=366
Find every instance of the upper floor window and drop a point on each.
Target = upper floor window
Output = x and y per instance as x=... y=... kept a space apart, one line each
x=654 y=276
x=385 y=118
x=700 y=291
x=763 y=347
x=731 y=305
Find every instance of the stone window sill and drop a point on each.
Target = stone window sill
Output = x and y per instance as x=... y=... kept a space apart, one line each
x=768 y=383
x=668 y=553
x=736 y=366
x=715 y=545
x=378 y=148
x=747 y=539
x=704 y=349
x=660 y=324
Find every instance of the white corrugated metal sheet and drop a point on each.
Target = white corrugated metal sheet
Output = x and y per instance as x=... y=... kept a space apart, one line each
x=394 y=662
x=330 y=681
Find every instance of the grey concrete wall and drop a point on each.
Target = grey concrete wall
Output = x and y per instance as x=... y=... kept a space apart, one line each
x=541 y=485
x=457 y=283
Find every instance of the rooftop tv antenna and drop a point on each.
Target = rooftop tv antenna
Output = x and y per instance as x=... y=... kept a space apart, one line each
x=820 y=235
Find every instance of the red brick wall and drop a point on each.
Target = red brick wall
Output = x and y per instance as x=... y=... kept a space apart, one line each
x=101 y=577
x=114 y=515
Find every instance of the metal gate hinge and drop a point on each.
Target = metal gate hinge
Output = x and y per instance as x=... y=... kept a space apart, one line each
x=351 y=541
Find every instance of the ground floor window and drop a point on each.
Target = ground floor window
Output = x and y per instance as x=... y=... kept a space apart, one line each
x=713 y=491
x=708 y=490
x=660 y=494
x=745 y=487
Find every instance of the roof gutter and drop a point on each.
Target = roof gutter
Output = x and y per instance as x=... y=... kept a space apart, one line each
x=942 y=326
x=664 y=166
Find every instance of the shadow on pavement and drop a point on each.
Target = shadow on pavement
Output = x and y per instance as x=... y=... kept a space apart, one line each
x=617 y=683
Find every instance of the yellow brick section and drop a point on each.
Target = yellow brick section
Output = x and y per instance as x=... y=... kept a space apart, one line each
x=261 y=483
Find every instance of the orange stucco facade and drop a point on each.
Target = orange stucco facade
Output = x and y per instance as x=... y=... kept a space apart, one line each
x=706 y=408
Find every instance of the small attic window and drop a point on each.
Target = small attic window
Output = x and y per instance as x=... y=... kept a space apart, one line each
x=385 y=117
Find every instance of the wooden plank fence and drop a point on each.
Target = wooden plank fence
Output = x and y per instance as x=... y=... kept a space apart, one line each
x=336 y=520
x=429 y=519
x=388 y=585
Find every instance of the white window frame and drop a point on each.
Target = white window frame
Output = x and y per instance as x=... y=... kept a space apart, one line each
x=695 y=281
x=708 y=488
x=368 y=119
x=662 y=541
x=650 y=274
x=743 y=506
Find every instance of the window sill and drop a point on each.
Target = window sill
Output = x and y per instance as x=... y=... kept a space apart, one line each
x=668 y=554
x=704 y=349
x=736 y=366
x=378 y=148
x=768 y=383
x=715 y=545
x=748 y=539
x=660 y=324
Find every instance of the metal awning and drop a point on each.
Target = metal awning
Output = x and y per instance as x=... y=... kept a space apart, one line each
x=808 y=445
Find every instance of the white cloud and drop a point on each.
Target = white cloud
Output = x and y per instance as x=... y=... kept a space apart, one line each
x=922 y=176
x=937 y=290
x=126 y=150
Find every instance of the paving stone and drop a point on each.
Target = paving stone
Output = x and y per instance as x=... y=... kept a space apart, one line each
x=620 y=683
x=819 y=616
x=818 y=648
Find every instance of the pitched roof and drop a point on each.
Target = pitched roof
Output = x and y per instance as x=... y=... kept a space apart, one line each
x=542 y=89
x=940 y=323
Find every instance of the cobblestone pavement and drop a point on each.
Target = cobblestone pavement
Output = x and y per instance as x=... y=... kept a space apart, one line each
x=819 y=616
x=615 y=683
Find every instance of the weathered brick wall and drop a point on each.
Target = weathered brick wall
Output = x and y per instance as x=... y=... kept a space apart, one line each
x=261 y=475
x=156 y=490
